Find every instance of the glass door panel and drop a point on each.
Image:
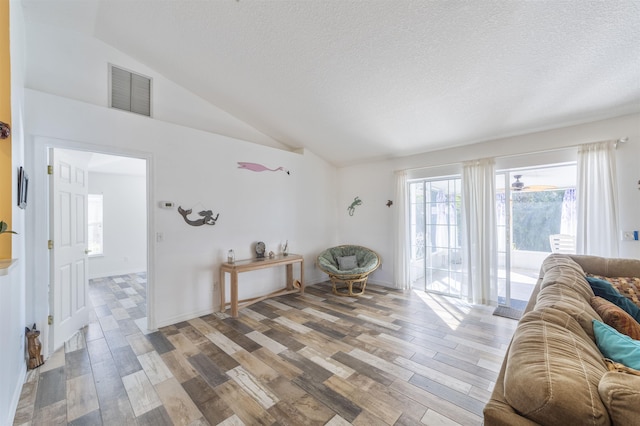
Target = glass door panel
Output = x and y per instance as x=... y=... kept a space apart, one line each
x=435 y=237
x=503 y=222
x=531 y=205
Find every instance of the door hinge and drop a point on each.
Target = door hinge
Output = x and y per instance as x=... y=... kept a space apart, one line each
x=50 y=244
x=50 y=319
x=49 y=170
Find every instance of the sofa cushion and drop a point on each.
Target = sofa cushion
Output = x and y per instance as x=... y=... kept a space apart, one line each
x=565 y=288
x=605 y=290
x=616 y=317
x=617 y=346
x=569 y=300
x=620 y=393
x=562 y=270
x=553 y=369
x=629 y=287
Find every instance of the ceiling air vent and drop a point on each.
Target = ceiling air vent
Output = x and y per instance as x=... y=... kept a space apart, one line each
x=130 y=91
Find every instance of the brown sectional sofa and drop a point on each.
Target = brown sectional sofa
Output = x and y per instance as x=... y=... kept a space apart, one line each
x=553 y=372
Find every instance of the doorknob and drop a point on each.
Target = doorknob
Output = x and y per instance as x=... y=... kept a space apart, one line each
x=87 y=251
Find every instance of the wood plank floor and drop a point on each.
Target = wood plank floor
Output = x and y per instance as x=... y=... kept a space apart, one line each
x=387 y=358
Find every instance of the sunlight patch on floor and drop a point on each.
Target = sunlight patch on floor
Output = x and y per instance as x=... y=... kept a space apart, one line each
x=450 y=310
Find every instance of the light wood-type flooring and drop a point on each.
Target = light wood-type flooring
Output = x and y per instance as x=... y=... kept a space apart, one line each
x=389 y=357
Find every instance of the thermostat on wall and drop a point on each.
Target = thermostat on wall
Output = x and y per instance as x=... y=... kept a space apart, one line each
x=166 y=204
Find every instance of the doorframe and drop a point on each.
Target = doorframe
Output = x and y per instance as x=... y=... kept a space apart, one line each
x=38 y=218
x=506 y=175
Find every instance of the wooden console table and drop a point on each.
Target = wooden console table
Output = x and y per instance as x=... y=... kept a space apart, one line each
x=252 y=265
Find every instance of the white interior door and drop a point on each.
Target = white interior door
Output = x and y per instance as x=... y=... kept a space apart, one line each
x=69 y=277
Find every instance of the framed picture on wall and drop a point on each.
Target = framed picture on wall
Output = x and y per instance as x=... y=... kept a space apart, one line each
x=23 y=188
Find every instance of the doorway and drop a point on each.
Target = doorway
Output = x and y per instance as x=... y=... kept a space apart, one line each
x=435 y=236
x=114 y=230
x=532 y=205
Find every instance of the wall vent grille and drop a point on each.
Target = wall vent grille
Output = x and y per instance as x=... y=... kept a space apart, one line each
x=130 y=91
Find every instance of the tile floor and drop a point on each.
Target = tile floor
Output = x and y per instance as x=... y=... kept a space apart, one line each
x=389 y=357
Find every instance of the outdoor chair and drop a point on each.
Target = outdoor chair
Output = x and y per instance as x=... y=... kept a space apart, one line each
x=561 y=243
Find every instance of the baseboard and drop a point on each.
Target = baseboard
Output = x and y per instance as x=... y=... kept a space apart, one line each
x=16 y=395
x=381 y=283
x=186 y=317
x=183 y=317
x=326 y=279
x=116 y=273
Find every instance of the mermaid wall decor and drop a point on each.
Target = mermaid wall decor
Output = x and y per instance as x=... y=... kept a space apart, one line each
x=207 y=217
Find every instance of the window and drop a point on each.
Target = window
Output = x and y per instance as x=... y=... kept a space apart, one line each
x=95 y=231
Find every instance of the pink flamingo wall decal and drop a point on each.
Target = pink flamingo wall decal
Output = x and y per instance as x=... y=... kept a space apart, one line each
x=254 y=167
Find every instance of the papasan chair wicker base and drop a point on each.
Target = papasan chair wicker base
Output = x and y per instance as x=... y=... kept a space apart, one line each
x=348 y=267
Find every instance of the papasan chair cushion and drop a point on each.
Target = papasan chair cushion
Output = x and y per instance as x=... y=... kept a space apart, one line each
x=348 y=264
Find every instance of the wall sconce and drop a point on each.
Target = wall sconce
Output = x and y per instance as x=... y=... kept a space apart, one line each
x=5 y=130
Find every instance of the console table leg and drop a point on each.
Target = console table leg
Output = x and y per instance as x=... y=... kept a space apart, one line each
x=289 y=277
x=222 y=285
x=234 y=294
x=302 y=276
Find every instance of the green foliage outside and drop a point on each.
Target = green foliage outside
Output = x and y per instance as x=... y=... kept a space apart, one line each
x=535 y=216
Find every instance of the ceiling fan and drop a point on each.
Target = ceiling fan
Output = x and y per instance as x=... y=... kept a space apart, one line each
x=519 y=186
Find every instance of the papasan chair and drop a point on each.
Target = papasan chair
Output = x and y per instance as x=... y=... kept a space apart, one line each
x=348 y=267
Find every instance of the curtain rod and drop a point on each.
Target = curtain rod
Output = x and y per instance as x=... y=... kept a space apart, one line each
x=622 y=140
x=618 y=141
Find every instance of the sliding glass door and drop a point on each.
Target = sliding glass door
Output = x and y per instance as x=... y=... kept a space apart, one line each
x=533 y=206
x=435 y=220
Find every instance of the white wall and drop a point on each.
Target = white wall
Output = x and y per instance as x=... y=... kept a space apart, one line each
x=69 y=64
x=198 y=169
x=189 y=165
x=372 y=225
x=12 y=285
x=124 y=224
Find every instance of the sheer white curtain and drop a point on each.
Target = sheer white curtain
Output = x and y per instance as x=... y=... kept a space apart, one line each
x=401 y=249
x=479 y=241
x=597 y=200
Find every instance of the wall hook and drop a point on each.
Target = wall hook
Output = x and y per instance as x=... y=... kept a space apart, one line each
x=5 y=130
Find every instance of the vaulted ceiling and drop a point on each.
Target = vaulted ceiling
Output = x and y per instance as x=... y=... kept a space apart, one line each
x=359 y=80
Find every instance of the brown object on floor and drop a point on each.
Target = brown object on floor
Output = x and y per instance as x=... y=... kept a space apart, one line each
x=34 y=348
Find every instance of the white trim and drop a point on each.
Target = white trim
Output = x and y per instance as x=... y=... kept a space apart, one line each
x=15 y=400
x=180 y=318
x=38 y=219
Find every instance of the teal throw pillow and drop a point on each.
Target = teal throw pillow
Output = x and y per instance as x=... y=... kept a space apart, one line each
x=605 y=290
x=346 y=263
x=617 y=346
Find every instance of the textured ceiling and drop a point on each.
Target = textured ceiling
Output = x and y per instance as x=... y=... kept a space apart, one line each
x=354 y=81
